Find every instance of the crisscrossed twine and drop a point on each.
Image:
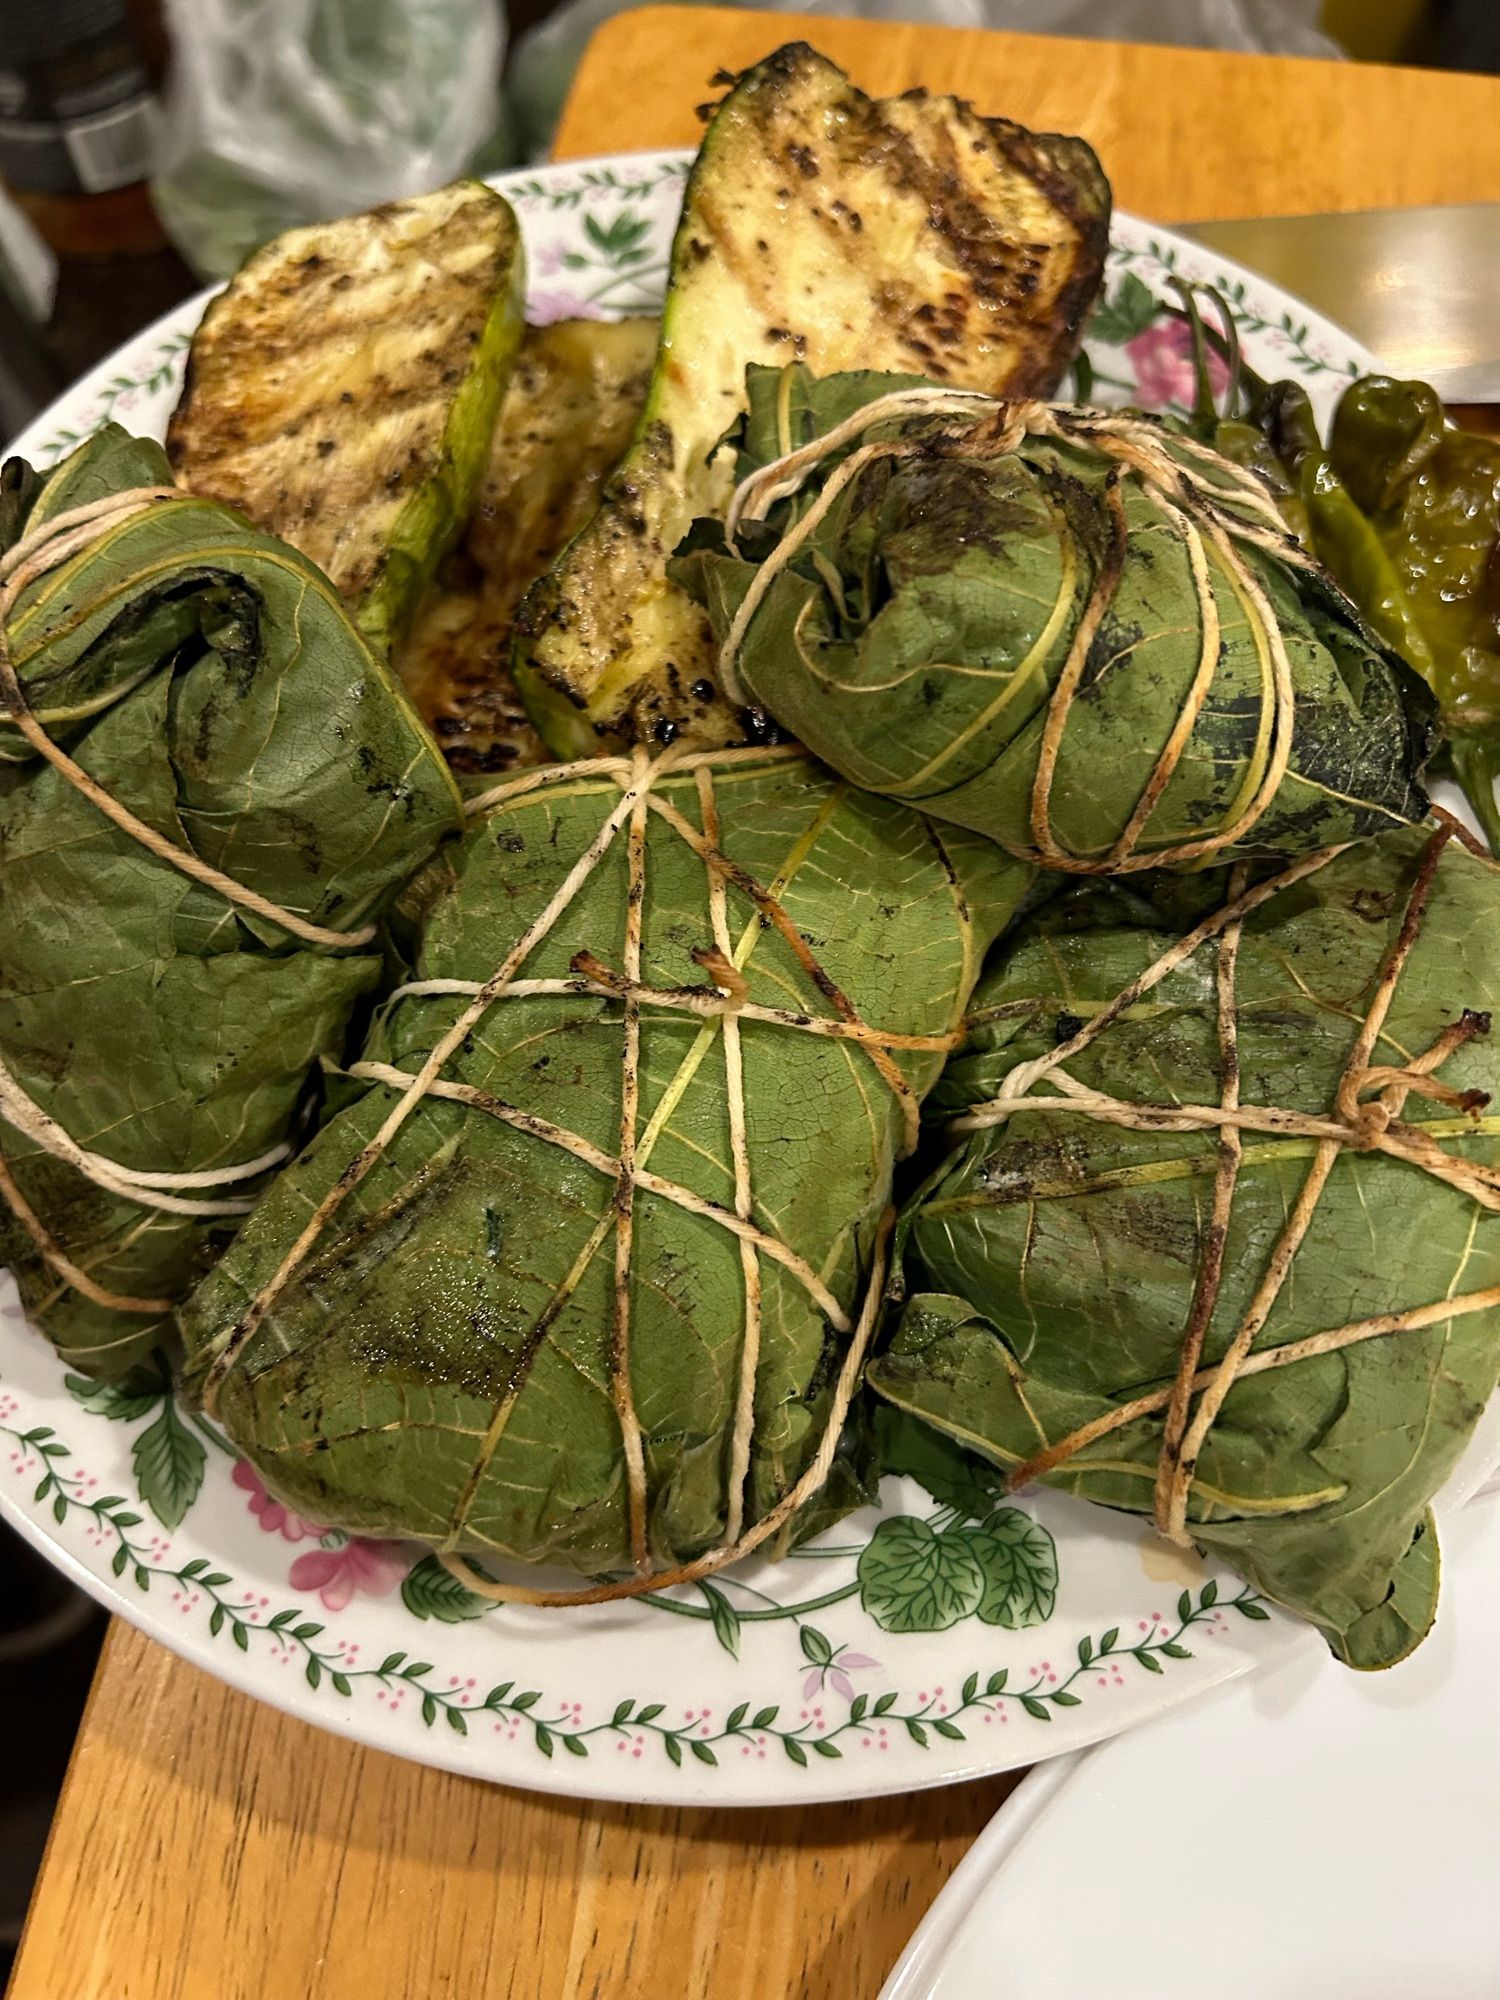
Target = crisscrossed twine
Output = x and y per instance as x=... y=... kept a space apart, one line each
x=38 y=551
x=1366 y=1117
x=723 y=1004
x=1197 y=508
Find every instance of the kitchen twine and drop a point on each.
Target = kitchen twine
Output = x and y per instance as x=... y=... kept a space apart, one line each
x=1201 y=511
x=41 y=549
x=1192 y=504
x=1366 y=1118
x=725 y=1001
x=1358 y=1121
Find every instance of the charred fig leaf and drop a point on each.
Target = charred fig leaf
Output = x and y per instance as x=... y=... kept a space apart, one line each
x=916 y=638
x=207 y=678
x=440 y=1366
x=954 y=1477
x=1062 y=1252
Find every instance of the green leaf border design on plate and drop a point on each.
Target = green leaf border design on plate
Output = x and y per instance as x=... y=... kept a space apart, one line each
x=235 y=1611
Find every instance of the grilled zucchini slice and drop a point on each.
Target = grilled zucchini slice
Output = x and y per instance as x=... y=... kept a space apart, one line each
x=343 y=389
x=818 y=225
x=575 y=394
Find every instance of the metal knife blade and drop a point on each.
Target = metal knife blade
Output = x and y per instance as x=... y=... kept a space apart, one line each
x=1419 y=286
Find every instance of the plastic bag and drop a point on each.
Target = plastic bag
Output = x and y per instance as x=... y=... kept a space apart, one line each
x=282 y=112
x=547 y=55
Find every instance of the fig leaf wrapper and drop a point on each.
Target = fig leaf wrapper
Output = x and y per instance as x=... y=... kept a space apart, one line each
x=1216 y=1241
x=1069 y=629
x=583 y=1271
x=210 y=788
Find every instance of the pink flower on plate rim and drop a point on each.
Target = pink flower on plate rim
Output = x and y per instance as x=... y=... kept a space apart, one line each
x=1162 y=357
x=274 y=1518
x=359 y=1567
x=543 y=307
x=837 y=1673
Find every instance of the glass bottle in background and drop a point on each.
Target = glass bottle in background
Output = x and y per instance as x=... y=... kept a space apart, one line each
x=79 y=119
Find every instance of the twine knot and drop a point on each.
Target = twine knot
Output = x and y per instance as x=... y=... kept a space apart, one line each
x=639 y=779
x=1359 y=1121
x=1368 y=1127
x=1204 y=512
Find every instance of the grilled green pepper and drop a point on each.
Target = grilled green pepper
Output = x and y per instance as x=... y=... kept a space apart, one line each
x=1405 y=511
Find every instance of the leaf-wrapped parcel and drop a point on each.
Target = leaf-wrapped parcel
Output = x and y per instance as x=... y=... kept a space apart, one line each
x=460 y=1315
x=207 y=680
x=1066 y=629
x=1066 y=1262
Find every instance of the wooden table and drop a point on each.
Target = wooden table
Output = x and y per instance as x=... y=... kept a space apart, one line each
x=210 y=1849
x=1184 y=134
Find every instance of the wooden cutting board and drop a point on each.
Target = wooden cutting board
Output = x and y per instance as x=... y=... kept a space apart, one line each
x=1184 y=134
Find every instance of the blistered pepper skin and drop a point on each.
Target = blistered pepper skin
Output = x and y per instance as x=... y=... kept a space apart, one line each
x=1405 y=511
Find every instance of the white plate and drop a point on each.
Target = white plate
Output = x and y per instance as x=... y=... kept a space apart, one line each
x=773 y=1683
x=1310 y=1834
